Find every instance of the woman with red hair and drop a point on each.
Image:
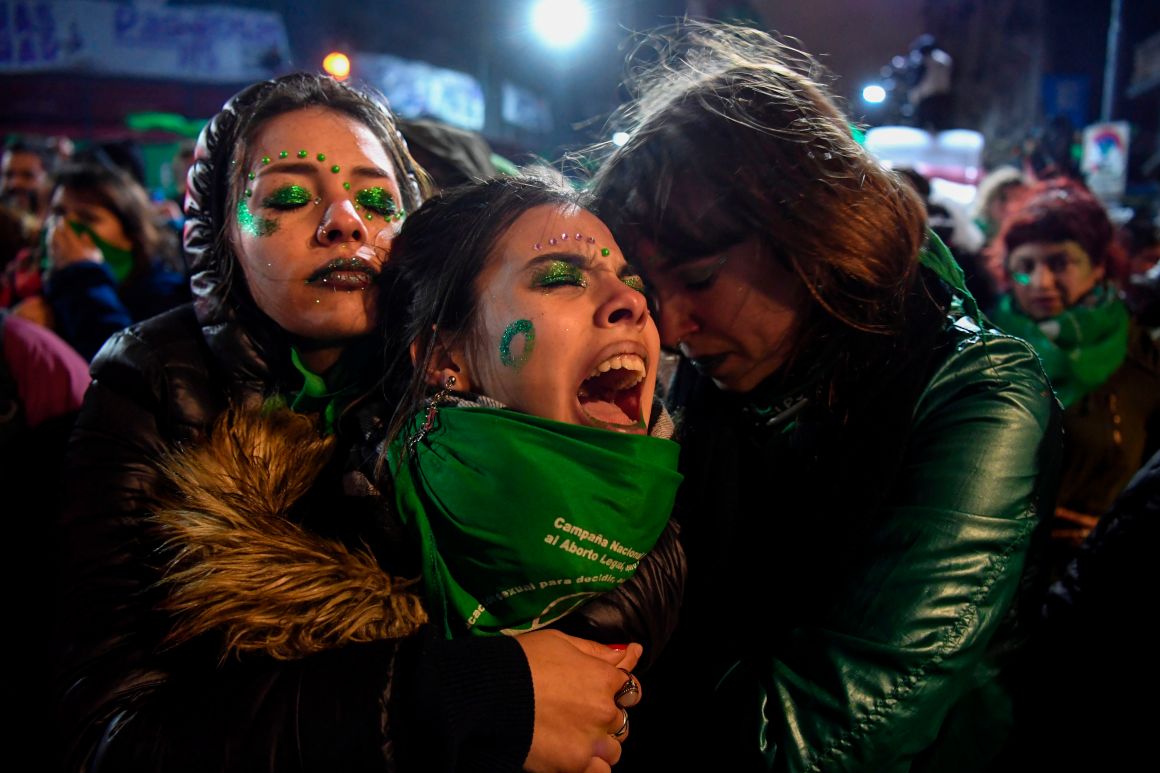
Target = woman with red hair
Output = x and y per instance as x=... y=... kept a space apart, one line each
x=1057 y=250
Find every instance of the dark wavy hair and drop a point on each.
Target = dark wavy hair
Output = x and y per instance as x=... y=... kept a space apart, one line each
x=215 y=186
x=732 y=135
x=436 y=259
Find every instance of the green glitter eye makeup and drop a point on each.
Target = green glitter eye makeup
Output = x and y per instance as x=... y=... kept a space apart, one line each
x=288 y=197
x=560 y=272
x=633 y=281
x=379 y=200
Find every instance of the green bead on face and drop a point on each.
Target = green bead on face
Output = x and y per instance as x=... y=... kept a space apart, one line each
x=302 y=154
x=283 y=154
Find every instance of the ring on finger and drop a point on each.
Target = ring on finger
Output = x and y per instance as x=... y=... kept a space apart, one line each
x=622 y=732
x=629 y=693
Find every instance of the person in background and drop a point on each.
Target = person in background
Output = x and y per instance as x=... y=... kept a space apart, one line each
x=105 y=266
x=1056 y=246
x=994 y=196
x=863 y=463
x=296 y=194
x=42 y=383
x=24 y=170
x=964 y=239
x=452 y=156
x=930 y=97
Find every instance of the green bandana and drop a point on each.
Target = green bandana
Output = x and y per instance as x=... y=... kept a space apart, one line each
x=522 y=519
x=119 y=261
x=1081 y=348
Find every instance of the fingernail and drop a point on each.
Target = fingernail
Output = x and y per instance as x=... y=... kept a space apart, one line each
x=618 y=647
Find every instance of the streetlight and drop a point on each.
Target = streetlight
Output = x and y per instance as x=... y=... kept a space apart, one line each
x=560 y=23
x=337 y=64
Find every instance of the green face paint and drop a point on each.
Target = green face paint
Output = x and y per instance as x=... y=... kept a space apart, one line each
x=255 y=226
x=378 y=200
x=522 y=327
x=1022 y=279
x=633 y=281
x=560 y=272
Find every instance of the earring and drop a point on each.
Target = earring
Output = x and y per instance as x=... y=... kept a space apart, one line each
x=432 y=411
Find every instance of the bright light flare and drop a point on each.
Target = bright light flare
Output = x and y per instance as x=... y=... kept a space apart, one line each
x=561 y=23
x=874 y=94
x=337 y=64
x=619 y=138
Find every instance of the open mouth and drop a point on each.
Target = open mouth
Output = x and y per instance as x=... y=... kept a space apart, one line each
x=611 y=395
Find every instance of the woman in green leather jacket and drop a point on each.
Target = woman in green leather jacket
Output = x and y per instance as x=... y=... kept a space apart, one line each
x=864 y=464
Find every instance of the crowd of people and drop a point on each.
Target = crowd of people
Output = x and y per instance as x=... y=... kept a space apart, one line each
x=715 y=459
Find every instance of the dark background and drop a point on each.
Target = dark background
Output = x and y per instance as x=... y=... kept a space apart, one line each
x=1016 y=61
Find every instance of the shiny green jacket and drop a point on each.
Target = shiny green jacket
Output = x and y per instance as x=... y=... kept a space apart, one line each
x=857 y=576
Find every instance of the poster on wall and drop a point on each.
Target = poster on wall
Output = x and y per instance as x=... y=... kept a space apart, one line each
x=1105 y=159
x=213 y=44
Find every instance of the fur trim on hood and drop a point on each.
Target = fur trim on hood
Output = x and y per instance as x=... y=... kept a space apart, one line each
x=240 y=568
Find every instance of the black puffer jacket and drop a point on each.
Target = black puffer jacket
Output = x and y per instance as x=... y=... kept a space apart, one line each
x=124 y=701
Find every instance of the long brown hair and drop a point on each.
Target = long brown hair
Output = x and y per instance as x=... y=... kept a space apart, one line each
x=732 y=134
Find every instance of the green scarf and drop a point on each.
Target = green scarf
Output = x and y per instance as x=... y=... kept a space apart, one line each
x=328 y=395
x=522 y=519
x=1081 y=348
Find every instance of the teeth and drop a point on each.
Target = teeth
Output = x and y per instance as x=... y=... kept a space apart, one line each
x=631 y=364
x=620 y=362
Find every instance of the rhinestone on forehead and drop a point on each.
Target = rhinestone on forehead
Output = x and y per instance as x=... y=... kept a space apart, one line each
x=579 y=237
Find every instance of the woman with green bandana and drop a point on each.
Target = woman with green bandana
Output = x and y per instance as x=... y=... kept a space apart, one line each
x=540 y=474
x=863 y=461
x=1056 y=246
x=102 y=254
x=300 y=648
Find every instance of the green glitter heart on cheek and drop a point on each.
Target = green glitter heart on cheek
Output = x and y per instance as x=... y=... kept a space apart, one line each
x=522 y=327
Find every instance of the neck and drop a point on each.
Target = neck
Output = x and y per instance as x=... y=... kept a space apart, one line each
x=318 y=357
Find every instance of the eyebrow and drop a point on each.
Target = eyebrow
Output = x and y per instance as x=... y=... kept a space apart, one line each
x=312 y=168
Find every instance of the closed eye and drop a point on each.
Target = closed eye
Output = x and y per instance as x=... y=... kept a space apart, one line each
x=288 y=197
x=559 y=273
x=377 y=199
x=701 y=277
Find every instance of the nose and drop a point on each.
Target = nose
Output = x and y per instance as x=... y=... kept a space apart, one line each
x=674 y=320
x=340 y=223
x=624 y=306
x=1042 y=277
